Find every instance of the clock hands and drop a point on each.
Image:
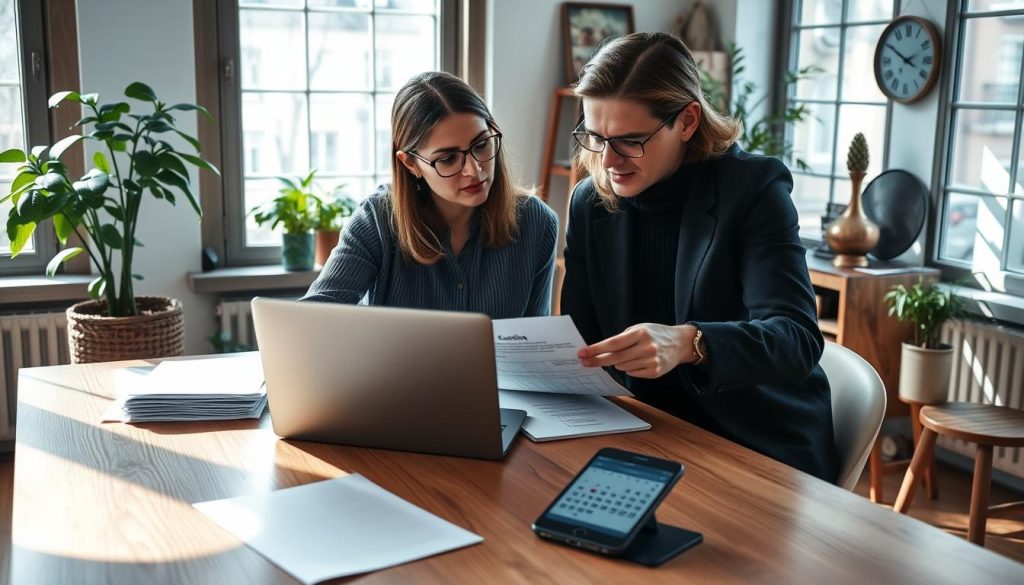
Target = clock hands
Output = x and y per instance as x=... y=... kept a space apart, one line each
x=905 y=59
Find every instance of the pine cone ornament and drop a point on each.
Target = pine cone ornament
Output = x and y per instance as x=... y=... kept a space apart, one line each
x=857 y=159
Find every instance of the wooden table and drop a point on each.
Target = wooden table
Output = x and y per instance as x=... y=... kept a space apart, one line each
x=111 y=503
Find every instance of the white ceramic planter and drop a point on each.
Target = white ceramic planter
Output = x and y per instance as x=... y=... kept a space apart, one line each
x=924 y=374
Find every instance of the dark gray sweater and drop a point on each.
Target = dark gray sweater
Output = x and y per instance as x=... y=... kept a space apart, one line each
x=511 y=281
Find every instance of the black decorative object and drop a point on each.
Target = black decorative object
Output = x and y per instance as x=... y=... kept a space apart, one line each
x=898 y=202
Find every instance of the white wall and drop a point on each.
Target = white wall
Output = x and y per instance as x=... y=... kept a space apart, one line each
x=151 y=41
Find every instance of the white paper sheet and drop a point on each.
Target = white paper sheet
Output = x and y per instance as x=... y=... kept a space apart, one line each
x=564 y=416
x=335 y=528
x=538 y=354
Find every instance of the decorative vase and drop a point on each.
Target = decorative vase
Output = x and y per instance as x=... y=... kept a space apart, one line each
x=326 y=241
x=853 y=235
x=924 y=374
x=297 y=252
x=157 y=331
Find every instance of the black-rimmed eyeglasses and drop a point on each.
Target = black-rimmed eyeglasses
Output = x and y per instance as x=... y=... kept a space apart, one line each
x=453 y=162
x=627 y=147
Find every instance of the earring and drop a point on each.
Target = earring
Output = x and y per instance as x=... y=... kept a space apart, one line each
x=419 y=184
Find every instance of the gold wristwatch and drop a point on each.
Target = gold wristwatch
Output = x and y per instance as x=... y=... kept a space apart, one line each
x=699 y=349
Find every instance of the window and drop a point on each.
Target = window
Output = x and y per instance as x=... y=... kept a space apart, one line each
x=981 y=219
x=837 y=38
x=309 y=85
x=23 y=119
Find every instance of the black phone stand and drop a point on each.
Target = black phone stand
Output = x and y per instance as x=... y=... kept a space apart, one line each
x=658 y=543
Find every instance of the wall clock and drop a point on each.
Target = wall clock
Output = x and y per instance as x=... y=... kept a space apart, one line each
x=907 y=59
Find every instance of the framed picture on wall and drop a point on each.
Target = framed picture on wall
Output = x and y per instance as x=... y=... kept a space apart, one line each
x=585 y=26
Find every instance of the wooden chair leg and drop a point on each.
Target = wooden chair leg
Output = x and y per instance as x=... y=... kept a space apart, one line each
x=979 y=494
x=922 y=456
x=930 y=483
x=876 y=470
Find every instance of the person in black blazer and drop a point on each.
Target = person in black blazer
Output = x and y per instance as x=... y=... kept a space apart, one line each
x=684 y=268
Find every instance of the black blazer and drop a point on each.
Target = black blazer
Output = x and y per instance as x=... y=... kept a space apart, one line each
x=741 y=276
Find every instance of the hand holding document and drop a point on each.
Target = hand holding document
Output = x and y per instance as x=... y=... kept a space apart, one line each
x=222 y=388
x=538 y=354
x=335 y=528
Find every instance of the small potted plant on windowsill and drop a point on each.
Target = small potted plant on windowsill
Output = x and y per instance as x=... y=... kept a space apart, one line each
x=102 y=209
x=926 y=362
x=295 y=209
x=330 y=218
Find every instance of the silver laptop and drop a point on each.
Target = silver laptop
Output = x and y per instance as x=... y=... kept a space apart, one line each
x=403 y=379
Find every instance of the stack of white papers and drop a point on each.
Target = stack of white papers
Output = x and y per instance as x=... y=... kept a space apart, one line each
x=564 y=416
x=188 y=390
x=335 y=528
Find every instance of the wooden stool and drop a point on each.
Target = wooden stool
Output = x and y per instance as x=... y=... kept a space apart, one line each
x=879 y=468
x=987 y=426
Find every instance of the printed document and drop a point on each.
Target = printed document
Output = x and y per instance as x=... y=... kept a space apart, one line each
x=564 y=416
x=538 y=354
x=335 y=528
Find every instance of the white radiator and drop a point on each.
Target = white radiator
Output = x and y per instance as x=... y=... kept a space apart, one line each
x=27 y=340
x=236 y=325
x=988 y=368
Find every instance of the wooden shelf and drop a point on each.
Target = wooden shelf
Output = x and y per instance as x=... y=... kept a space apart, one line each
x=829 y=327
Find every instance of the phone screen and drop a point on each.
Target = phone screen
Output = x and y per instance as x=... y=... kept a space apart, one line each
x=610 y=496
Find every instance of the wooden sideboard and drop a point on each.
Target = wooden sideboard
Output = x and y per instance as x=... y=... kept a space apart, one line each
x=862 y=322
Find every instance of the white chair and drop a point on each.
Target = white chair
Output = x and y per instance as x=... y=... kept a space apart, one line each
x=858 y=405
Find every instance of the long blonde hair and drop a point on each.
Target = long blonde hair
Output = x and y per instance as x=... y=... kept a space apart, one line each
x=421 y=103
x=655 y=69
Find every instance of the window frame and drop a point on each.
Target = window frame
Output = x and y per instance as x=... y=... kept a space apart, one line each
x=1005 y=281
x=218 y=34
x=34 y=71
x=789 y=59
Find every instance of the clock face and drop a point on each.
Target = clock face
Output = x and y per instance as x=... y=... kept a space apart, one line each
x=906 y=62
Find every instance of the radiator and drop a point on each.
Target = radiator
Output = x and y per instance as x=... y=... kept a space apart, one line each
x=236 y=328
x=988 y=368
x=27 y=340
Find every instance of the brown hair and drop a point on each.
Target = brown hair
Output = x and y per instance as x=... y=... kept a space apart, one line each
x=421 y=103
x=655 y=69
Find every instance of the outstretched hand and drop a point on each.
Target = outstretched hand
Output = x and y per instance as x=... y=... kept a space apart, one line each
x=646 y=350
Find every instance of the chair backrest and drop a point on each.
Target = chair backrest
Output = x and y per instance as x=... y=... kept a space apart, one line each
x=858 y=405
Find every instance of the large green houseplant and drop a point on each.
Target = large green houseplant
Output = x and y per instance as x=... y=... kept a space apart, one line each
x=926 y=362
x=135 y=161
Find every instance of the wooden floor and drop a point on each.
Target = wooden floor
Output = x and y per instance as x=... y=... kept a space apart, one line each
x=949 y=512
x=1003 y=535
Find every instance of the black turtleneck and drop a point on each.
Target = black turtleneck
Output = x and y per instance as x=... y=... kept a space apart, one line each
x=657 y=215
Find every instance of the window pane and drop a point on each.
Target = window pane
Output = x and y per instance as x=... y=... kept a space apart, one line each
x=358 y=188
x=972 y=229
x=384 y=104
x=1015 y=261
x=417 y=5
x=275 y=134
x=842 y=188
x=819 y=47
x=258 y=192
x=812 y=138
x=273 y=52
x=8 y=43
x=990 y=70
x=405 y=47
x=12 y=130
x=360 y=4
x=983 y=5
x=340 y=50
x=859 y=64
x=341 y=126
x=870 y=121
x=982 y=149
x=861 y=10
x=810 y=195
x=274 y=3
x=821 y=11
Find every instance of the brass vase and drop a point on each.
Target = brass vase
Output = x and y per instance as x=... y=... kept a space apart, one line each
x=853 y=235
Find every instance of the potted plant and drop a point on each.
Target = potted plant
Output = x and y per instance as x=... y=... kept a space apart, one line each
x=330 y=217
x=102 y=209
x=926 y=363
x=295 y=209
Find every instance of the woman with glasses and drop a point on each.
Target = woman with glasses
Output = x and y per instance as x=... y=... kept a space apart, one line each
x=452 y=231
x=684 y=269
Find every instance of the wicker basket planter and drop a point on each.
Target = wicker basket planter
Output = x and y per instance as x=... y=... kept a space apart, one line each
x=157 y=331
